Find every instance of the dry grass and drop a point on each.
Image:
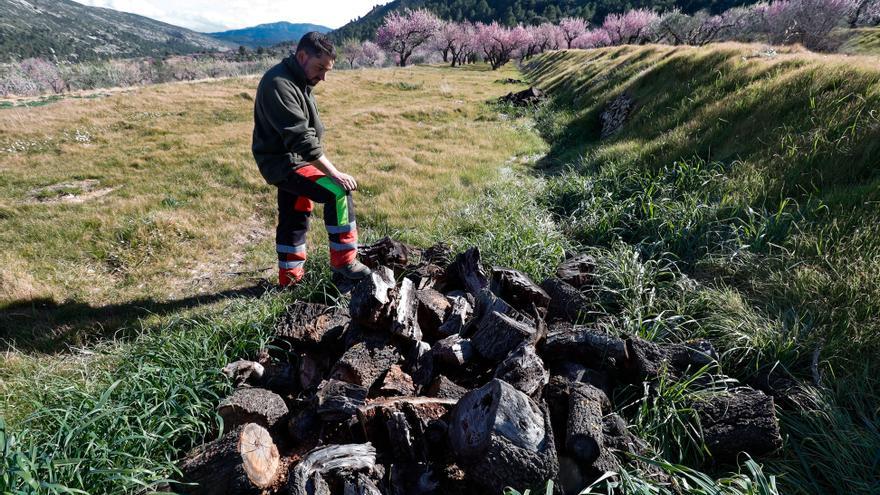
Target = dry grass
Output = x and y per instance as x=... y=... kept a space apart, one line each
x=183 y=211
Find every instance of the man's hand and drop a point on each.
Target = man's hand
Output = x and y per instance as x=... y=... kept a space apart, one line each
x=346 y=181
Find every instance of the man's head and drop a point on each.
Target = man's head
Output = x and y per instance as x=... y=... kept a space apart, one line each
x=316 y=55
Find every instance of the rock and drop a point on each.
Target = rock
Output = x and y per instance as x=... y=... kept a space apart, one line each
x=615 y=115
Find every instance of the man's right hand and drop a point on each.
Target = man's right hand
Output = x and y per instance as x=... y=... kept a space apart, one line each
x=346 y=181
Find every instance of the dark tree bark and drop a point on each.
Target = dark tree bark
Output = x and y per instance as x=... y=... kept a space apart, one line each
x=453 y=351
x=433 y=310
x=741 y=420
x=499 y=334
x=518 y=289
x=566 y=301
x=396 y=383
x=386 y=252
x=310 y=325
x=339 y=400
x=502 y=438
x=252 y=405
x=363 y=365
x=445 y=388
x=406 y=323
x=467 y=273
x=577 y=271
x=584 y=440
x=524 y=369
x=372 y=297
x=583 y=344
x=459 y=314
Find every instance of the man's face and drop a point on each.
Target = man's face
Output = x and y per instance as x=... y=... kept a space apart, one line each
x=316 y=68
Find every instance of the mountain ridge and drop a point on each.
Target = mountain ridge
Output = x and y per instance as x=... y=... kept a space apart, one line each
x=268 y=34
x=66 y=30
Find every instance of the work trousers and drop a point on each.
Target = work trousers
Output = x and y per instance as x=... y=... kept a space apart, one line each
x=295 y=196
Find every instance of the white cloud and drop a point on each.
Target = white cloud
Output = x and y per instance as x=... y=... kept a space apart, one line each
x=212 y=15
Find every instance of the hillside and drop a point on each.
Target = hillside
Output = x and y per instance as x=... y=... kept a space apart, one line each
x=738 y=202
x=69 y=30
x=512 y=12
x=266 y=35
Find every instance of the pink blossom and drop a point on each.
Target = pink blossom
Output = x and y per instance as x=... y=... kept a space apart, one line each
x=499 y=43
x=634 y=26
x=402 y=33
x=572 y=28
x=594 y=38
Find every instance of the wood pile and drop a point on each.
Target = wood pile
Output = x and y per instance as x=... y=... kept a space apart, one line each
x=445 y=377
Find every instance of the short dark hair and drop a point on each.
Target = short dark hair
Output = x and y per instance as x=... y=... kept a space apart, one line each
x=316 y=44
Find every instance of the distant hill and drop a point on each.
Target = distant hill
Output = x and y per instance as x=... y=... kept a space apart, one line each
x=512 y=12
x=268 y=34
x=72 y=31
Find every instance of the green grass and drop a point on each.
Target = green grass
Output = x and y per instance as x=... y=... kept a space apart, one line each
x=740 y=203
x=861 y=41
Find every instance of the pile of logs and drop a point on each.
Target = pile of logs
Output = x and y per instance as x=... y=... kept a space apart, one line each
x=527 y=97
x=442 y=377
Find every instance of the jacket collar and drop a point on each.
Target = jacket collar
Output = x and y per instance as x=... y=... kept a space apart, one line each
x=299 y=75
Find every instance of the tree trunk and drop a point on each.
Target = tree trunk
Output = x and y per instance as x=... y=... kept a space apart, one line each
x=244 y=461
x=252 y=405
x=330 y=458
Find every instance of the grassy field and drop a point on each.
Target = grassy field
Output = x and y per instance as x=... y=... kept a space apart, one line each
x=740 y=202
x=862 y=41
x=149 y=200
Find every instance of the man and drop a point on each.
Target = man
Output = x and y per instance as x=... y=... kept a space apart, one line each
x=287 y=148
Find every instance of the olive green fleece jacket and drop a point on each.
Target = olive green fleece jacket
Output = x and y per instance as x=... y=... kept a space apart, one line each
x=287 y=127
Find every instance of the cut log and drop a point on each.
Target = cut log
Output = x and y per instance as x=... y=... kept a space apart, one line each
x=576 y=372
x=303 y=428
x=252 y=405
x=584 y=439
x=328 y=459
x=445 y=388
x=396 y=383
x=566 y=301
x=339 y=400
x=438 y=254
x=310 y=325
x=583 y=344
x=244 y=461
x=502 y=438
x=371 y=299
x=465 y=272
x=363 y=365
x=453 y=350
x=646 y=359
x=279 y=375
x=433 y=309
x=406 y=321
x=578 y=271
x=524 y=369
x=740 y=420
x=385 y=252
x=499 y=334
x=518 y=289
x=459 y=313
x=244 y=372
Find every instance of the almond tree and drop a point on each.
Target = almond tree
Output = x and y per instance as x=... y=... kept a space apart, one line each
x=632 y=27
x=499 y=43
x=370 y=55
x=572 y=28
x=548 y=36
x=402 y=33
x=594 y=38
x=808 y=22
x=350 y=51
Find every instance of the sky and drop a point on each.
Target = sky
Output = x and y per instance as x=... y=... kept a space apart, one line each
x=221 y=15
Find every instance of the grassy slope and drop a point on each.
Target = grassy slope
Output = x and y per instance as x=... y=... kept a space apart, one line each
x=187 y=215
x=747 y=189
x=862 y=41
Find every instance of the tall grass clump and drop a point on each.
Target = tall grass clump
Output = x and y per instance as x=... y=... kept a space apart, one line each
x=115 y=419
x=737 y=203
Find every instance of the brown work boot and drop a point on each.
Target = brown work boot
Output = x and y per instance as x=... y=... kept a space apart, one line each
x=352 y=271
